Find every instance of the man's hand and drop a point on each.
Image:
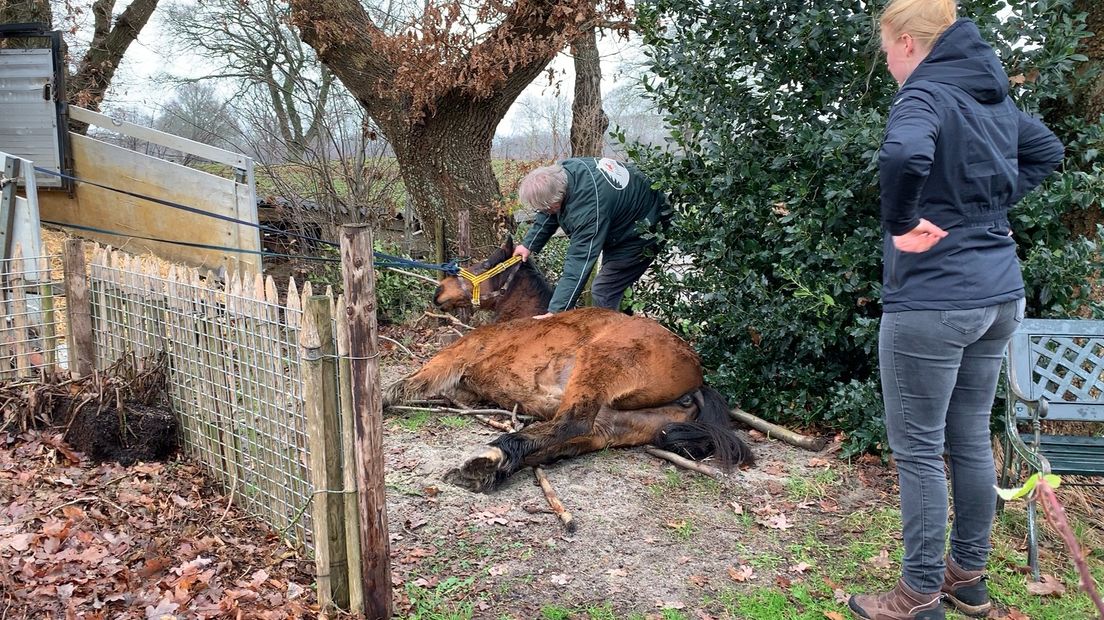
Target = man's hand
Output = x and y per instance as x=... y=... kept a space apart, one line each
x=919 y=239
x=543 y=316
x=522 y=251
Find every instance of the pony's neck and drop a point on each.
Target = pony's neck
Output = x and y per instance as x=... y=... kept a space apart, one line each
x=528 y=296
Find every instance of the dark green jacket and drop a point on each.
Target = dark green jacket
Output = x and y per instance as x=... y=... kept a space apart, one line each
x=605 y=201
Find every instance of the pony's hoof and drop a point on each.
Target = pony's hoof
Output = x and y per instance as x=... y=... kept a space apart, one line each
x=478 y=474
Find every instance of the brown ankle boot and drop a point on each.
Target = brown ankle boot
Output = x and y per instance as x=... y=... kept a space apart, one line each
x=966 y=590
x=900 y=603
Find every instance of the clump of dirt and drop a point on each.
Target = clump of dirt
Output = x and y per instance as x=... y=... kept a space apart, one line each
x=133 y=433
x=119 y=414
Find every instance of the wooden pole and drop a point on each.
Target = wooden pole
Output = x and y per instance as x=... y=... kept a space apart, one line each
x=320 y=398
x=439 y=241
x=463 y=248
x=78 y=310
x=360 y=309
x=348 y=465
x=815 y=444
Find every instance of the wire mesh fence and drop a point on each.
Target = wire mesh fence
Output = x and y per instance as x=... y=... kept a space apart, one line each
x=235 y=381
x=32 y=332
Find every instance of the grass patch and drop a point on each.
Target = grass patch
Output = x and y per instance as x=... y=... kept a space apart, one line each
x=414 y=421
x=440 y=602
x=455 y=421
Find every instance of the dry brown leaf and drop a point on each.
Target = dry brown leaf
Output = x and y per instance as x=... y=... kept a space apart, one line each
x=1046 y=586
x=741 y=574
x=834 y=615
x=881 y=560
x=800 y=568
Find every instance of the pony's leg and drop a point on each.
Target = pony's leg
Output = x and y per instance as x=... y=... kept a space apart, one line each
x=568 y=435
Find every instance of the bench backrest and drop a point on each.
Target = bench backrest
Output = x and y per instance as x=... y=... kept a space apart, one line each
x=1061 y=360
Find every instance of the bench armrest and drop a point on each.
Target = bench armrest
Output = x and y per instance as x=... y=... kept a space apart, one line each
x=1017 y=397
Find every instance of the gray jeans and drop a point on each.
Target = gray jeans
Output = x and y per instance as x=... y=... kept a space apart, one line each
x=614 y=278
x=939 y=372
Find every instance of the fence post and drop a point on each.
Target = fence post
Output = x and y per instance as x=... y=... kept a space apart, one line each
x=360 y=298
x=348 y=464
x=463 y=247
x=78 y=311
x=320 y=398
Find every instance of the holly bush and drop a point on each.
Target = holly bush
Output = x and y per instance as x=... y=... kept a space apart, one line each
x=775 y=110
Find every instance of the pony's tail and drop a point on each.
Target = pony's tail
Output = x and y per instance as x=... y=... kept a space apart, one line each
x=710 y=433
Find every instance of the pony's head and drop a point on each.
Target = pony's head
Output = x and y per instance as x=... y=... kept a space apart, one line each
x=455 y=292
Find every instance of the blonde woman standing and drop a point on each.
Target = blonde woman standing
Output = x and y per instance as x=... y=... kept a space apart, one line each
x=957 y=155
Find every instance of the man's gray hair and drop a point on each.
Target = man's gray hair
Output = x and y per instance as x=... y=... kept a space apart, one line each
x=543 y=187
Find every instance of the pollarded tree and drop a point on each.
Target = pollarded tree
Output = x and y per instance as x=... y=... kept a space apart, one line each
x=439 y=85
x=776 y=110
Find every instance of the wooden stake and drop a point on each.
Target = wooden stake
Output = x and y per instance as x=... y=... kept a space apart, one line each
x=815 y=444
x=701 y=468
x=360 y=290
x=320 y=400
x=463 y=248
x=553 y=500
x=348 y=465
x=78 y=311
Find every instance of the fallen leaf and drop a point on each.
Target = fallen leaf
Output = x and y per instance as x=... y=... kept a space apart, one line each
x=1015 y=614
x=776 y=522
x=800 y=568
x=736 y=508
x=1046 y=586
x=818 y=462
x=617 y=572
x=756 y=435
x=840 y=596
x=742 y=574
x=783 y=582
x=834 y=615
x=560 y=579
x=698 y=580
x=670 y=605
x=19 y=542
x=881 y=560
x=497 y=569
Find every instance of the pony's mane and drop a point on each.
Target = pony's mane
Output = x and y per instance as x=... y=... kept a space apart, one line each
x=527 y=269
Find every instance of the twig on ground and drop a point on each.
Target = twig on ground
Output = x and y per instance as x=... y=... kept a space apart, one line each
x=502 y=426
x=815 y=444
x=399 y=345
x=686 y=463
x=452 y=410
x=553 y=500
x=448 y=317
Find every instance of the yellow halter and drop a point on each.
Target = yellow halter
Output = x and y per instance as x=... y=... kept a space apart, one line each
x=476 y=279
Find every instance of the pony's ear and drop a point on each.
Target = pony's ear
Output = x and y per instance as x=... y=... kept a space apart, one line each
x=508 y=244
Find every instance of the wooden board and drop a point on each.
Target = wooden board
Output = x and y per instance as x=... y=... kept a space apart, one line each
x=123 y=169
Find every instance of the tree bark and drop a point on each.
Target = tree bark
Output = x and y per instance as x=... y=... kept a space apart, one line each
x=109 y=44
x=1089 y=97
x=588 y=121
x=446 y=171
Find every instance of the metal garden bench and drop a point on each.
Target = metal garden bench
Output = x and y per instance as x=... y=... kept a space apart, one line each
x=1055 y=372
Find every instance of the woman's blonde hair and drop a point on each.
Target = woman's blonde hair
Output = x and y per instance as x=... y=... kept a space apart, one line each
x=925 y=20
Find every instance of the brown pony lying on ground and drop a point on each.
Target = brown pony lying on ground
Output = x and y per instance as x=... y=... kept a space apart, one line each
x=593 y=378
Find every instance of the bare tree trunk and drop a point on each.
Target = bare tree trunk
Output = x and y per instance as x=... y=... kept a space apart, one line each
x=445 y=171
x=588 y=121
x=109 y=44
x=1090 y=98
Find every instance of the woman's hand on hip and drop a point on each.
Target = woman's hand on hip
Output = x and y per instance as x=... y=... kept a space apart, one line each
x=919 y=239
